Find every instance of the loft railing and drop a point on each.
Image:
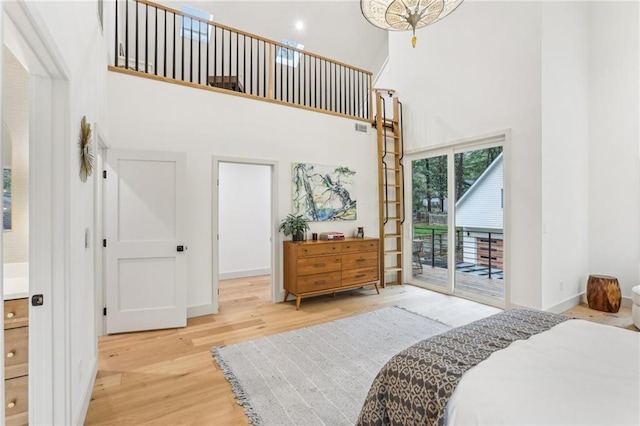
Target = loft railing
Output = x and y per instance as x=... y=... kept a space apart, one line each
x=163 y=42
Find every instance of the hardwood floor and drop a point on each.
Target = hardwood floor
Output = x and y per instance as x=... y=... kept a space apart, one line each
x=169 y=377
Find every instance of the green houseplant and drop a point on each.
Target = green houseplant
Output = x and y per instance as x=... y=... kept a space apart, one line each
x=294 y=225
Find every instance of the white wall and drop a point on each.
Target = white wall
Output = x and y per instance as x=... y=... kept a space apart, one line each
x=152 y=115
x=478 y=72
x=565 y=150
x=614 y=167
x=244 y=220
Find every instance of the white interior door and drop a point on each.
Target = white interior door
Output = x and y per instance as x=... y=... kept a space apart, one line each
x=145 y=269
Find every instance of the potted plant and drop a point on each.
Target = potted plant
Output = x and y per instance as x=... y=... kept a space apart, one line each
x=294 y=225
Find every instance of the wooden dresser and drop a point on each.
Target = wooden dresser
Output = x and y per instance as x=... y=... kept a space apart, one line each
x=320 y=267
x=16 y=361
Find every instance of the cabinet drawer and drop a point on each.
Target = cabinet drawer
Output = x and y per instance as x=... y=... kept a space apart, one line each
x=319 y=282
x=16 y=352
x=360 y=260
x=16 y=313
x=318 y=249
x=366 y=245
x=351 y=277
x=15 y=394
x=319 y=264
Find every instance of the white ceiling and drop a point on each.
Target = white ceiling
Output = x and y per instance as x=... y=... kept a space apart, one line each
x=335 y=29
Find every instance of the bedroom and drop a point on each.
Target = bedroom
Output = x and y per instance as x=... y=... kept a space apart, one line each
x=541 y=232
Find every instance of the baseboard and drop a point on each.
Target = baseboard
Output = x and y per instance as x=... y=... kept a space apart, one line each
x=244 y=274
x=81 y=415
x=626 y=302
x=201 y=310
x=566 y=304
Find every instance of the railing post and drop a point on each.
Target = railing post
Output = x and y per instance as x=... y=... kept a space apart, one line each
x=490 y=255
x=433 y=248
x=271 y=67
x=117 y=53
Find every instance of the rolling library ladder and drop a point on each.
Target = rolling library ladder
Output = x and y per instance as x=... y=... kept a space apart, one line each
x=391 y=185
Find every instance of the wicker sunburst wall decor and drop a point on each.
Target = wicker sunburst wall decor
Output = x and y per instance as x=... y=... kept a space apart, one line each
x=86 y=150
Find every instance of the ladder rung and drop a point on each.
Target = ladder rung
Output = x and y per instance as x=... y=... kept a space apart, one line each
x=392 y=269
x=392 y=283
x=391 y=186
x=392 y=235
x=392 y=202
x=390 y=252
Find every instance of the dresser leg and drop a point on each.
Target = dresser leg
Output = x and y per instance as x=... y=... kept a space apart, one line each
x=298 y=298
x=377 y=289
x=286 y=295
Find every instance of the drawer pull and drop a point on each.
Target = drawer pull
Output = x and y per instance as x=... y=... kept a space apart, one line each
x=320 y=282
x=10 y=315
x=361 y=260
x=320 y=265
x=11 y=354
x=11 y=404
x=361 y=275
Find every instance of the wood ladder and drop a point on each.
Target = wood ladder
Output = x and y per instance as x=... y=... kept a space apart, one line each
x=390 y=186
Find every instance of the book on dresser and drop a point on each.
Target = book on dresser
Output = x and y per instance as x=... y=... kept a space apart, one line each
x=328 y=266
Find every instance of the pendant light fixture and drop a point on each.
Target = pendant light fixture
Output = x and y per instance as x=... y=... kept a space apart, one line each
x=405 y=15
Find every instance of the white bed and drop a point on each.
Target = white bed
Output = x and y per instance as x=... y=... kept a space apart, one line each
x=517 y=367
x=578 y=372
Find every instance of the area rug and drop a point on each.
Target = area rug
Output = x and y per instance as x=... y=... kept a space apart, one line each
x=319 y=375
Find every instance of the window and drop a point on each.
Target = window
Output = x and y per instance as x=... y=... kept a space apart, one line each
x=289 y=57
x=193 y=28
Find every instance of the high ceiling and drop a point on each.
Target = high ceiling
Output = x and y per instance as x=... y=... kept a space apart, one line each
x=335 y=29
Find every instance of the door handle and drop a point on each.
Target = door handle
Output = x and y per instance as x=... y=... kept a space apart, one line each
x=181 y=248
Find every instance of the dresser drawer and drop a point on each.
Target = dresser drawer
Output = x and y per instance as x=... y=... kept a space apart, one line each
x=15 y=406
x=318 y=249
x=319 y=264
x=16 y=313
x=16 y=352
x=351 y=277
x=366 y=245
x=360 y=260
x=319 y=282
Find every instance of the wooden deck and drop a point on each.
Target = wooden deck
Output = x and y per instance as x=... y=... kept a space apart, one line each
x=472 y=283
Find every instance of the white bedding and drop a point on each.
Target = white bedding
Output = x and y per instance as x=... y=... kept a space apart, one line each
x=578 y=372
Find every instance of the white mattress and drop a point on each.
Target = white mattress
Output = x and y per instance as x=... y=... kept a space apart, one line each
x=576 y=373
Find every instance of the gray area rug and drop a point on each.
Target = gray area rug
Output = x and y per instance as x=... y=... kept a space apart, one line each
x=319 y=375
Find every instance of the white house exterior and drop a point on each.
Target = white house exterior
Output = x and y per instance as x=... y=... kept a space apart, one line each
x=480 y=215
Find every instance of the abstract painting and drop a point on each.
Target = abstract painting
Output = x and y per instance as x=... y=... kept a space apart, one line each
x=322 y=193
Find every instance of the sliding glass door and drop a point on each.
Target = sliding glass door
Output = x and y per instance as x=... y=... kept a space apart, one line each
x=458 y=222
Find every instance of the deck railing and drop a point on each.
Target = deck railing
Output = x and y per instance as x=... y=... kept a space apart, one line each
x=160 y=41
x=480 y=252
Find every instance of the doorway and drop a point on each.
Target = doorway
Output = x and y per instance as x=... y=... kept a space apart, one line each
x=244 y=259
x=458 y=220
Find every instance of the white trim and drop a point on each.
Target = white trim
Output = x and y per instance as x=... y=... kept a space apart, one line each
x=49 y=341
x=201 y=310
x=100 y=147
x=81 y=415
x=244 y=274
x=566 y=304
x=277 y=290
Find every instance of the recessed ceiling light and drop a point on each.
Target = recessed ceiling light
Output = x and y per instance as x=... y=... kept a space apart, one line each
x=299 y=25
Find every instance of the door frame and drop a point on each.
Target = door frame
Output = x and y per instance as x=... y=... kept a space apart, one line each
x=451 y=148
x=24 y=29
x=101 y=146
x=277 y=292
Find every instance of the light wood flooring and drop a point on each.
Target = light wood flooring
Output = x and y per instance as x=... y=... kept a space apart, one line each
x=169 y=377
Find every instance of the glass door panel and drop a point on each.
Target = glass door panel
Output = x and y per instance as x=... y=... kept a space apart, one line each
x=430 y=245
x=479 y=213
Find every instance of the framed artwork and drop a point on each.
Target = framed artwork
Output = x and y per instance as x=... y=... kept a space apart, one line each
x=322 y=193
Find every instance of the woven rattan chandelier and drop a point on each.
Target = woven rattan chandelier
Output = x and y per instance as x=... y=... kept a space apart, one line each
x=405 y=15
